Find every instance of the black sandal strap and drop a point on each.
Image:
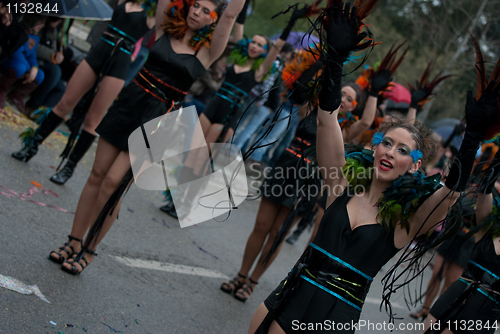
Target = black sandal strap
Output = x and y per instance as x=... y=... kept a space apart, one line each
x=71 y=238
x=252 y=281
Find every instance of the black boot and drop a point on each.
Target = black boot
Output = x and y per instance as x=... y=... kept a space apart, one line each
x=167 y=207
x=44 y=130
x=81 y=147
x=64 y=174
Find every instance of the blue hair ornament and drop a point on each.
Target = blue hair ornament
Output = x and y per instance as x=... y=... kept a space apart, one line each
x=377 y=138
x=416 y=154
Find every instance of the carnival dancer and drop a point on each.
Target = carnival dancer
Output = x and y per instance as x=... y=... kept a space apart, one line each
x=108 y=63
x=252 y=61
x=362 y=228
x=280 y=203
x=475 y=296
x=190 y=36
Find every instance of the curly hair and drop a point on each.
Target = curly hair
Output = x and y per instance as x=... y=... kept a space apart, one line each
x=423 y=136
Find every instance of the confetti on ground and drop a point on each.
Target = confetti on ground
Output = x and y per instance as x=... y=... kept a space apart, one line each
x=27 y=196
x=18 y=286
x=129 y=209
x=206 y=252
x=111 y=329
x=53 y=323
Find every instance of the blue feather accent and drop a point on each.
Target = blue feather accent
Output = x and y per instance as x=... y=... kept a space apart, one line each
x=416 y=154
x=377 y=138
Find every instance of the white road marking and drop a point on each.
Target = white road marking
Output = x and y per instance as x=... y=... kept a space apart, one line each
x=170 y=267
x=370 y=300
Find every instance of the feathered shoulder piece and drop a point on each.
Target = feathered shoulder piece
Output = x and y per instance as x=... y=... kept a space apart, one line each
x=358 y=168
x=175 y=24
x=487 y=86
x=149 y=6
x=404 y=197
x=293 y=69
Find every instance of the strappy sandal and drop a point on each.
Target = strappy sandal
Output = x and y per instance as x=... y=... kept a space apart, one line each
x=66 y=248
x=246 y=288
x=80 y=259
x=236 y=282
x=421 y=314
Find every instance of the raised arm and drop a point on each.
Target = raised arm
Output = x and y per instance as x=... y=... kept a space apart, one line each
x=161 y=8
x=359 y=127
x=479 y=115
x=379 y=82
x=275 y=49
x=223 y=29
x=484 y=205
x=341 y=38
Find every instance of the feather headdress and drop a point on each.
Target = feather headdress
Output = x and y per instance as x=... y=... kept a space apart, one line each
x=426 y=86
x=489 y=86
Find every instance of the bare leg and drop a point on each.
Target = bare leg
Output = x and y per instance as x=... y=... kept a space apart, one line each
x=81 y=81
x=105 y=157
x=265 y=218
x=244 y=293
x=257 y=319
x=432 y=287
x=109 y=89
x=111 y=182
x=453 y=273
x=273 y=233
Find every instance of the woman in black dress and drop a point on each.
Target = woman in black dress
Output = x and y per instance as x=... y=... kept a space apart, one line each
x=174 y=63
x=108 y=61
x=361 y=229
x=472 y=303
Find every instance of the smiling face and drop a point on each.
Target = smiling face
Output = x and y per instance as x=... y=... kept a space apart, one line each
x=392 y=155
x=349 y=97
x=257 y=46
x=200 y=14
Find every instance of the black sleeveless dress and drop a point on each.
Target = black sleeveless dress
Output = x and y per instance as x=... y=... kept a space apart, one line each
x=139 y=103
x=363 y=251
x=481 y=306
x=111 y=56
x=223 y=108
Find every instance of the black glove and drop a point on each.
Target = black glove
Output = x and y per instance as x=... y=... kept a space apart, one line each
x=243 y=14
x=479 y=115
x=380 y=81
x=342 y=32
x=417 y=95
x=342 y=37
x=296 y=14
x=300 y=92
x=491 y=174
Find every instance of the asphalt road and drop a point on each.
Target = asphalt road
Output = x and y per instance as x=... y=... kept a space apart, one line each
x=150 y=276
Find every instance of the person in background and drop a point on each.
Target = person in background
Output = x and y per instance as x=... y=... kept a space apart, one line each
x=50 y=91
x=22 y=66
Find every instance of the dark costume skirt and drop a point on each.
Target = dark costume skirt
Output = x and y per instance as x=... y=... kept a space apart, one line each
x=136 y=105
x=283 y=184
x=455 y=251
x=472 y=303
x=320 y=289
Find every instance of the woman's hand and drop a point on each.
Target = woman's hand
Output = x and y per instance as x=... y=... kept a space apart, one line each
x=342 y=31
